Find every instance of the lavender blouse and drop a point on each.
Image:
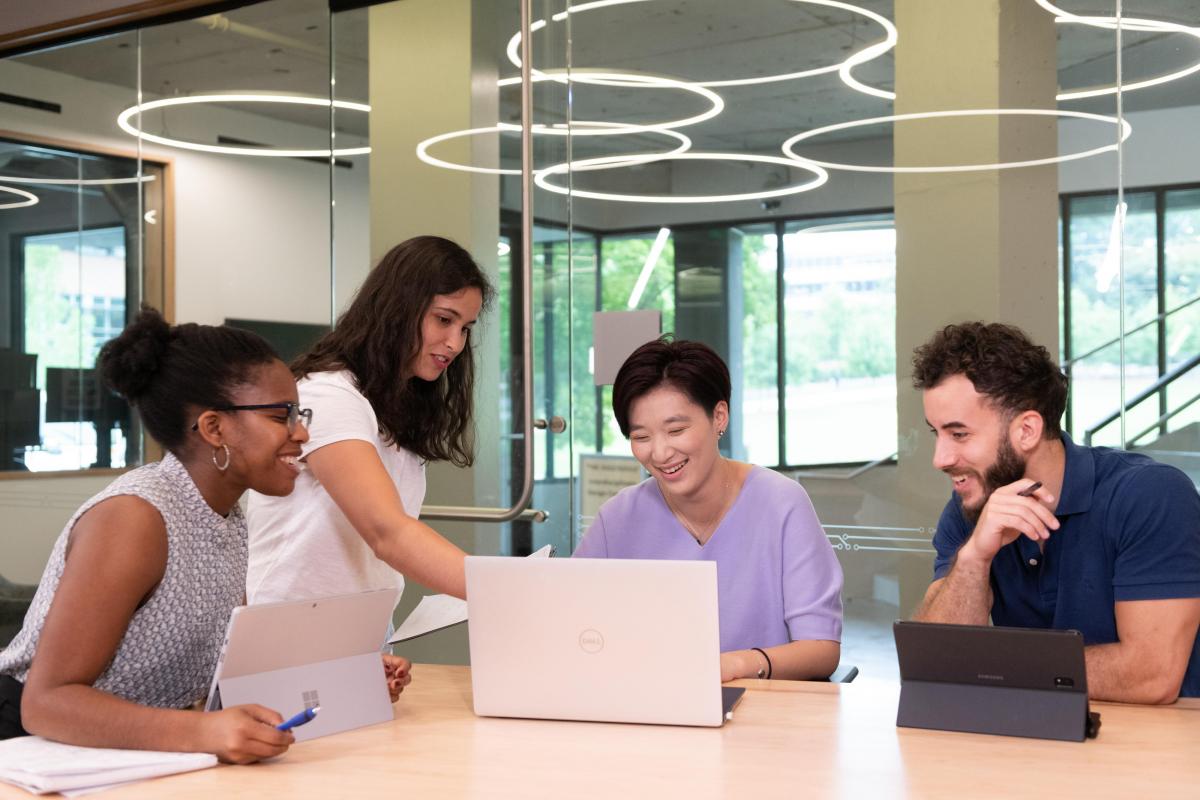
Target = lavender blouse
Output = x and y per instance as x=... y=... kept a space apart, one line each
x=777 y=577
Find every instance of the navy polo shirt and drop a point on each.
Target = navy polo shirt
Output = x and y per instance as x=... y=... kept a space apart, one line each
x=1130 y=530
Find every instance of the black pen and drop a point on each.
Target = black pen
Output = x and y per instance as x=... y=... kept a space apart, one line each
x=1029 y=490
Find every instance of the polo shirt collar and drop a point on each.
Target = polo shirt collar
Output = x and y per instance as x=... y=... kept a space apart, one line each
x=1079 y=479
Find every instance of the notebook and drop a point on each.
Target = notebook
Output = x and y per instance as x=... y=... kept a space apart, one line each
x=41 y=766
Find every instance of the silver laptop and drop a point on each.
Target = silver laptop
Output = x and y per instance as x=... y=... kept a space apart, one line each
x=295 y=655
x=604 y=640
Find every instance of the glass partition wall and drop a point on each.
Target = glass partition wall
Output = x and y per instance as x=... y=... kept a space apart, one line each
x=811 y=187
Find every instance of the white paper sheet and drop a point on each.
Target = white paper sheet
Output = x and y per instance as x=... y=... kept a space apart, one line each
x=437 y=611
x=41 y=766
x=434 y=612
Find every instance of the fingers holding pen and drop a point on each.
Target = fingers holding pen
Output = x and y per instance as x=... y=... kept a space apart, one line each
x=1026 y=507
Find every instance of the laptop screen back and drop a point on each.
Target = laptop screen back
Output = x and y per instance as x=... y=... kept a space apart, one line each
x=609 y=640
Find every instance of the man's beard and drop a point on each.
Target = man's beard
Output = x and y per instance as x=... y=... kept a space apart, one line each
x=1008 y=468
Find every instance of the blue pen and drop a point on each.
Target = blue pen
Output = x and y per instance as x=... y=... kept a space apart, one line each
x=304 y=716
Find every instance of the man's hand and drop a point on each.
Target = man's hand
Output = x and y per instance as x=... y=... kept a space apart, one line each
x=1007 y=515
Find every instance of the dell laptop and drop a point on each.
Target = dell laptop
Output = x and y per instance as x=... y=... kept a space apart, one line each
x=602 y=640
x=294 y=655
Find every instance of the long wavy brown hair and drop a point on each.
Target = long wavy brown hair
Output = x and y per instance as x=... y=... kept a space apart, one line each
x=379 y=335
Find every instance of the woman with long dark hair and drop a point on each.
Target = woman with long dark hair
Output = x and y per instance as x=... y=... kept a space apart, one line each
x=124 y=632
x=391 y=387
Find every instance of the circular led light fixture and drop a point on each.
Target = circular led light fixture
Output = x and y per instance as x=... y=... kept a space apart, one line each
x=1124 y=126
x=860 y=57
x=200 y=99
x=1126 y=23
x=27 y=198
x=423 y=147
x=542 y=179
x=74 y=181
x=625 y=80
x=1063 y=17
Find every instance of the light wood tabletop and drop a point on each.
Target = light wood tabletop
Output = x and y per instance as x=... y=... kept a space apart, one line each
x=786 y=739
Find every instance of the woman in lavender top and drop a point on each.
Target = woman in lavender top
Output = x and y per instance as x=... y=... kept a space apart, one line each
x=779 y=583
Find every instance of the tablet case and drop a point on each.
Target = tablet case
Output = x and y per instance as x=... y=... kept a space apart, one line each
x=983 y=679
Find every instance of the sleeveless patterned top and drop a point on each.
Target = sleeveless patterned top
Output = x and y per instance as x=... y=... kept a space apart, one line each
x=167 y=656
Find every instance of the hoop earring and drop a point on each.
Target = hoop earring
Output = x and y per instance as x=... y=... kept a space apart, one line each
x=228 y=458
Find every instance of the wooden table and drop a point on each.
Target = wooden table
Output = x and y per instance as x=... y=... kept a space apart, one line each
x=787 y=739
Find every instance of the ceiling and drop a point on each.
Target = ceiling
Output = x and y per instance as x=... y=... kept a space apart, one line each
x=285 y=46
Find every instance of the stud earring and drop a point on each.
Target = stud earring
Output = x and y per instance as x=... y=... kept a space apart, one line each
x=228 y=457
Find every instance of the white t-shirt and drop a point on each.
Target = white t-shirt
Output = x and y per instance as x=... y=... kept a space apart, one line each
x=302 y=545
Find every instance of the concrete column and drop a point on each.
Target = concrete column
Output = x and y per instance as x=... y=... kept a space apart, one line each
x=970 y=245
x=708 y=305
x=432 y=70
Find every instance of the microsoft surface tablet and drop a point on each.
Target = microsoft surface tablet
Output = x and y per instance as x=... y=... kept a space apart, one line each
x=322 y=651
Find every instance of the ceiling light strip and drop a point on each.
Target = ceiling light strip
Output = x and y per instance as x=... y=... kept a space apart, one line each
x=860 y=57
x=623 y=80
x=1061 y=17
x=1124 y=126
x=423 y=147
x=201 y=99
x=542 y=179
x=27 y=198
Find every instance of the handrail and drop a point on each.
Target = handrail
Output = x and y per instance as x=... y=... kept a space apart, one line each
x=1143 y=395
x=1164 y=418
x=519 y=509
x=845 y=476
x=1131 y=331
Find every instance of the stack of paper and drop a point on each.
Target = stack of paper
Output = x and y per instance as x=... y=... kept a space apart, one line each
x=41 y=766
x=437 y=611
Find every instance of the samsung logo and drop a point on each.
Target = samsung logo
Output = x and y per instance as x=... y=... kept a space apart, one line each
x=983 y=676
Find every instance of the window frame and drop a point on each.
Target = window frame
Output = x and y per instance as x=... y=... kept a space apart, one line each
x=158 y=272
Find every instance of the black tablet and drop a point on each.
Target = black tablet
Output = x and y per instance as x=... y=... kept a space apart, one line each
x=984 y=679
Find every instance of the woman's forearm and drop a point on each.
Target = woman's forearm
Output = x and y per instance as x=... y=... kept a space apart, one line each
x=805 y=659
x=422 y=554
x=85 y=716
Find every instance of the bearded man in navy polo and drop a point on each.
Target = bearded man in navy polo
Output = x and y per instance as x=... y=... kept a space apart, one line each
x=1108 y=544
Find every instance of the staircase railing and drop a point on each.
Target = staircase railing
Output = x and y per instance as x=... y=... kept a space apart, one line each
x=1145 y=394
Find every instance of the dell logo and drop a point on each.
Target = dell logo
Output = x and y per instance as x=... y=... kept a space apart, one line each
x=591 y=641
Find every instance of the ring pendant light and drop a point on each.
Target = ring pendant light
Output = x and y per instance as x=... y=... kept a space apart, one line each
x=820 y=177
x=123 y=120
x=1123 y=125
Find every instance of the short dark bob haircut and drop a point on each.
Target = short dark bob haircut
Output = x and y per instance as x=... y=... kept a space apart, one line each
x=1002 y=363
x=691 y=367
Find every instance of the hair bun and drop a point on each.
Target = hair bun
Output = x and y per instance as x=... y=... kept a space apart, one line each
x=130 y=362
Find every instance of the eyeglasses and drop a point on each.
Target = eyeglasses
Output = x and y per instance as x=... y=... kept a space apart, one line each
x=295 y=414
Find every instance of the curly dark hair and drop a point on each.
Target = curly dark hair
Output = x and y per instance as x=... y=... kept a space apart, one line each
x=167 y=373
x=693 y=368
x=381 y=332
x=1002 y=363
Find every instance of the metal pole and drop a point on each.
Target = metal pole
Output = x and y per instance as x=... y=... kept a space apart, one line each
x=520 y=505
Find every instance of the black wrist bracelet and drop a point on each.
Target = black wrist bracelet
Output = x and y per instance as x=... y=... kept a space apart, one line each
x=767 y=657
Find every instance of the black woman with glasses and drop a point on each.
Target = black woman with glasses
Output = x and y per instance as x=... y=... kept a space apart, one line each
x=391 y=389
x=124 y=632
